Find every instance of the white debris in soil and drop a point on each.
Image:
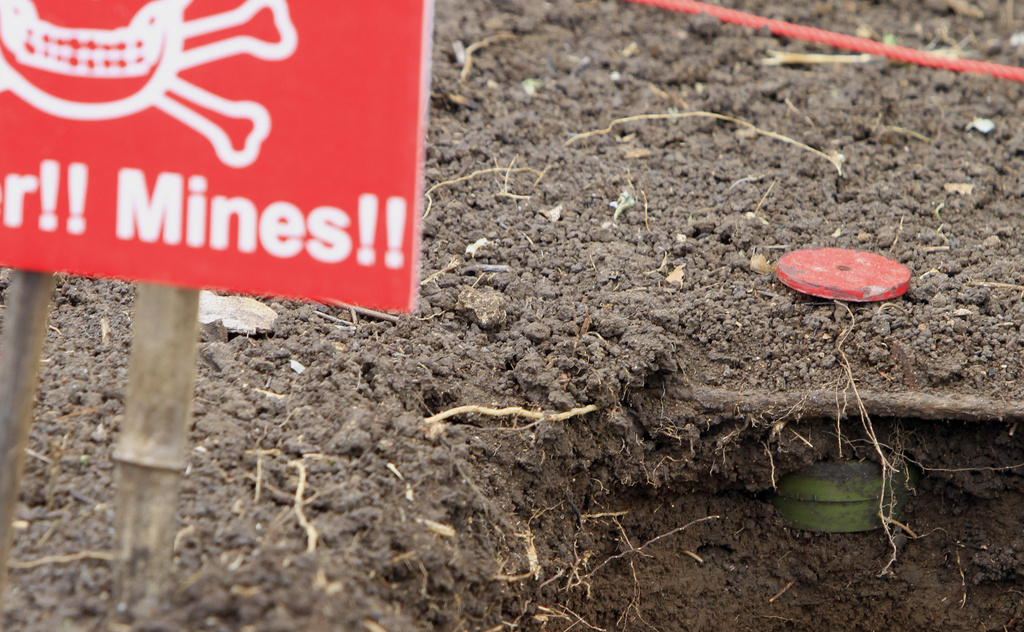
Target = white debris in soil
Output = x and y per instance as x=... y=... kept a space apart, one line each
x=982 y=125
x=472 y=249
x=239 y=314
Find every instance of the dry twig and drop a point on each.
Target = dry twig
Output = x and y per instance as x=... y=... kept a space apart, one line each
x=823 y=403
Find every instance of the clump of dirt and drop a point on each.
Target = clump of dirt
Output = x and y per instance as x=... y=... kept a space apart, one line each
x=616 y=272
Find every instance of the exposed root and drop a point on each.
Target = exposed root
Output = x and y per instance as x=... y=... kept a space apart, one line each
x=835 y=160
x=545 y=614
x=648 y=543
x=896 y=523
x=434 y=429
x=634 y=603
x=885 y=503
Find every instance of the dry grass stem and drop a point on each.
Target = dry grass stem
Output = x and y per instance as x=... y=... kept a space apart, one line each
x=454 y=263
x=467 y=66
x=437 y=528
x=1001 y=286
x=765 y=196
x=300 y=491
x=102 y=556
x=504 y=170
x=504 y=186
x=834 y=160
x=373 y=626
x=782 y=58
x=908 y=132
x=964 y=8
x=368 y=313
x=781 y=592
x=36 y=455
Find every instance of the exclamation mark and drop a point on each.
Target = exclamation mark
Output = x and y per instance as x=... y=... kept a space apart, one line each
x=366 y=255
x=49 y=185
x=78 y=181
x=393 y=258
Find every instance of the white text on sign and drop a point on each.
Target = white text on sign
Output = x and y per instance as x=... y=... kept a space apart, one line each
x=180 y=211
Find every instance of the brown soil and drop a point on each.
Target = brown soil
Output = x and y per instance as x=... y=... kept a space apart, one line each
x=483 y=524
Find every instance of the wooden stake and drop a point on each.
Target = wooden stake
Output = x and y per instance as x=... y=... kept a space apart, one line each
x=28 y=303
x=829 y=403
x=152 y=448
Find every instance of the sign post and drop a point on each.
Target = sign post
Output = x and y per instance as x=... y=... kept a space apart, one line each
x=28 y=303
x=258 y=146
x=151 y=451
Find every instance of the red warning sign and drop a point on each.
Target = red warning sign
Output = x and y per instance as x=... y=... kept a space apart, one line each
x=262 y=146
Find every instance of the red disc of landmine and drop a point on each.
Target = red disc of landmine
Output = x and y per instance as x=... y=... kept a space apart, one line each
x=843 y=275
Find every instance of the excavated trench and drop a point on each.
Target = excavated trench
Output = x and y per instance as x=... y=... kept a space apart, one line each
x=677 y=530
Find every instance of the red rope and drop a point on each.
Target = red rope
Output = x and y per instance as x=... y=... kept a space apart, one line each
x=838 y=40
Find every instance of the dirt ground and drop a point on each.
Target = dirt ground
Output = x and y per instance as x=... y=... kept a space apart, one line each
x=651 y=512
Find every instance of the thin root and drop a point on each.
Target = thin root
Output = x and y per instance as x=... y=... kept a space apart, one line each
x=505 y=170
x=648 y=543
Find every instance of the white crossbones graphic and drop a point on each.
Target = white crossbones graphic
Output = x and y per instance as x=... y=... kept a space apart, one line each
x=153 y=45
